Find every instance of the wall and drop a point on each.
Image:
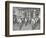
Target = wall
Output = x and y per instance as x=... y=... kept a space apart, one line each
x=2 y=20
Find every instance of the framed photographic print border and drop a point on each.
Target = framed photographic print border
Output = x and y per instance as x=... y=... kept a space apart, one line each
x=7 y=18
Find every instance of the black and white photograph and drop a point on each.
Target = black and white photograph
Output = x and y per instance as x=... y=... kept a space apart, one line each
x=24 y=18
